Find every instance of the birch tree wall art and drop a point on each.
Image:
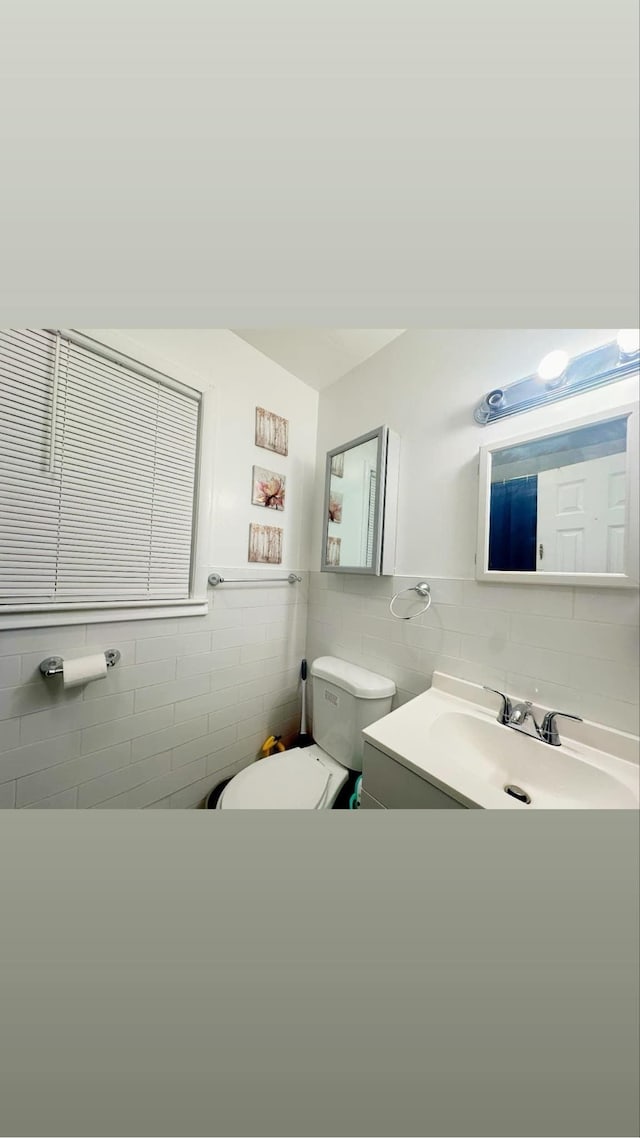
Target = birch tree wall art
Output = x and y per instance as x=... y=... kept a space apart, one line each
x=272 y=431
x=265 y=544
x=333 y=550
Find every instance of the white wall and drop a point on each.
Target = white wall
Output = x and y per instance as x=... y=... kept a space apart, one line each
x=242 y=379
x=575 y=648
x=192 y=699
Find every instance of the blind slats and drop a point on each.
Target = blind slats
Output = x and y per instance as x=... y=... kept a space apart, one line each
x=113 y=517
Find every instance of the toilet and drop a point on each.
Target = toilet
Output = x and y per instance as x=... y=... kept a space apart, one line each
x=346 y=699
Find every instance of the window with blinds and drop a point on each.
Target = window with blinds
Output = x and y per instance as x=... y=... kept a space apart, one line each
x=98 y=460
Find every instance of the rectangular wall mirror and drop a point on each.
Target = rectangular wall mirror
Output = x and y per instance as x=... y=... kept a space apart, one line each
x=361 y=487
x=561 y=506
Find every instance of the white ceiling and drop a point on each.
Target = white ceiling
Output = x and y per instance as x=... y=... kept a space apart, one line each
x=318 y=356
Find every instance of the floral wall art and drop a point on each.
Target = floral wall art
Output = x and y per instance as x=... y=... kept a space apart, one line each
x=268 y=488
x=272 y=431
x=335 y=506
x=265 y=544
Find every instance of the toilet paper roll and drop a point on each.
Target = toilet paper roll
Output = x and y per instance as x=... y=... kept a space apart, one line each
x=83 y=669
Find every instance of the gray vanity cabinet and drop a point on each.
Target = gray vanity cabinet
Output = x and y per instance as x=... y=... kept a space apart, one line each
x=388 y=785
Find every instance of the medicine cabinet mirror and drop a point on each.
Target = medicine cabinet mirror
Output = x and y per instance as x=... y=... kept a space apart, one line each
x=561 y=506
x=361 y=490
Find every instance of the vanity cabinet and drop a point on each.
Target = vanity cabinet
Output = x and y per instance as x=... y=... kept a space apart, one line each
x=388 y=785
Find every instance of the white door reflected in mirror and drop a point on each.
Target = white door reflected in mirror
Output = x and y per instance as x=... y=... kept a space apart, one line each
x=581 y=517
x=561 y=506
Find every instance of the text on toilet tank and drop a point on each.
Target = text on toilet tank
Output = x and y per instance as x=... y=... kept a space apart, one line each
x=331 y=697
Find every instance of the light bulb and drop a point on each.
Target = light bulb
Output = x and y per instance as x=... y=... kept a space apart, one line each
x=629 y=341
x=553 y=365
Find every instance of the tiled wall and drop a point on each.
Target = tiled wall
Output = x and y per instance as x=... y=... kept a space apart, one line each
x=573 y=649
x=190 y=702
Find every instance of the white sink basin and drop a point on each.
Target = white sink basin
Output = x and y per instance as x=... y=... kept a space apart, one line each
x=456 y=743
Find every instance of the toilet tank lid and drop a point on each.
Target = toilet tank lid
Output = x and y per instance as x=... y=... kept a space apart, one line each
x=357 y=681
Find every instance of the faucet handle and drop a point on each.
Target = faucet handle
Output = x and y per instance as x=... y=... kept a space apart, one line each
x=505 y=709
x=549 y=728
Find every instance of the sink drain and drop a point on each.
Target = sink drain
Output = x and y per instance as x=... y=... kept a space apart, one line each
x=517 y=792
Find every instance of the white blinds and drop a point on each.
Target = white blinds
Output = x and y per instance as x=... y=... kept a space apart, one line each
x=97 y=475
x=371 y=518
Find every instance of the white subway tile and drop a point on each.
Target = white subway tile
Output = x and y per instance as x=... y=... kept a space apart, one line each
x=190 y=796
x=156 y=788
x=120 y=730
x=611 y=712
x=546 y=600
x=469 y=620
x=254 y=725
x=208 y=662
x=543 y=693
x=28 y=698
x=476 y=673
x=215 y=618
x=38 y=756
x=49 y=641
x=445 y=590
x=100 y=790
x=236 y=674
x=9 y=671
x=118 y=632
x=169 y=738
x=7 y=795
x=254 y=617
x=614 y=606
x=361 y=584
x=615 y=680
x=9 y=734
x=74 y=715
x=193 y=708
x=525 y=659
x=161 y=647
x=64 y=776
x=67 y=800
x=201 y=747
x=237 y=713
x=584 y=638
x=235 y=637
x=161 y=694
x=242 y=751
x=131 y=678
x=405 y=655
x=434 y=640
x=271 y=649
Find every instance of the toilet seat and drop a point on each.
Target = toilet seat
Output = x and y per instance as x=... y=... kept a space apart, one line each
x=301 y=779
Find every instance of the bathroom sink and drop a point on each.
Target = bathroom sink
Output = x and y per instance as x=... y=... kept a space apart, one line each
x=450 y=735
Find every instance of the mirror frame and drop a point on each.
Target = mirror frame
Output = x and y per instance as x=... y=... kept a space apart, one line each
x=385 y=514
x=630 y=578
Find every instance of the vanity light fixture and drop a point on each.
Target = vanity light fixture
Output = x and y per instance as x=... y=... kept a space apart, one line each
x=628 y=340
x=553 y=368
x=560 y=375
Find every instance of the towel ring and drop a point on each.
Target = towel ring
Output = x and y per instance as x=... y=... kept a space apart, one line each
x=423 y=590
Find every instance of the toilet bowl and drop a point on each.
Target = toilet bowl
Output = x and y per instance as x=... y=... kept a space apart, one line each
x=346 y=699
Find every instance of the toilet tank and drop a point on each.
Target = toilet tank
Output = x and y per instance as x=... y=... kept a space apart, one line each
x=346 y=699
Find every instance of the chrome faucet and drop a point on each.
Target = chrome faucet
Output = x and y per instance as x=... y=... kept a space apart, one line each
x=516 y=716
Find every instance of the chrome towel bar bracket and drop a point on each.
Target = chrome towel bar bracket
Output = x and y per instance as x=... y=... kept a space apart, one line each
x=216 y=579
x=53 y=665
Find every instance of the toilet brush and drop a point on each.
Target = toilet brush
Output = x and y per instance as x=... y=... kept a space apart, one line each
x=304 y=740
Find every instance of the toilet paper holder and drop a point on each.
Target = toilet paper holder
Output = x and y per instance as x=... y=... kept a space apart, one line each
x=53 y=665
